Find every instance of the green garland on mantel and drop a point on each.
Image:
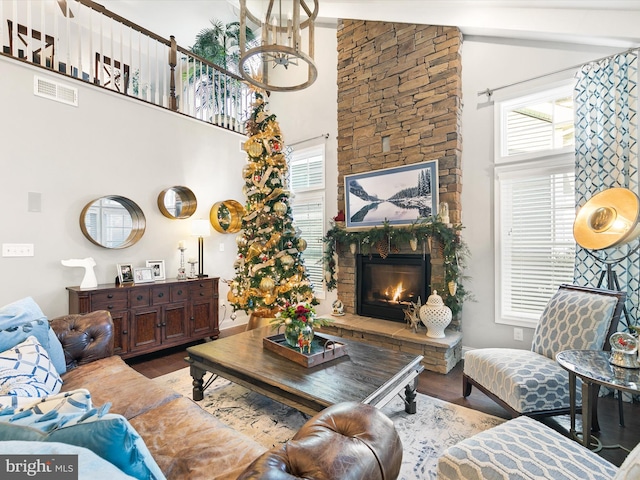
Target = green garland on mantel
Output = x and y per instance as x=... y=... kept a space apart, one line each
x=455 y=251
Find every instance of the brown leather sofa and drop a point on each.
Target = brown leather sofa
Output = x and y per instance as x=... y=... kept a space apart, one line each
x=345 y=441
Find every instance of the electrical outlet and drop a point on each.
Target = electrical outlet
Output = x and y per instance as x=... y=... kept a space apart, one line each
x=17 y=250
x=518 y=334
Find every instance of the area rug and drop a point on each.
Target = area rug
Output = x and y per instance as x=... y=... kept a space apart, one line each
x=425 y=435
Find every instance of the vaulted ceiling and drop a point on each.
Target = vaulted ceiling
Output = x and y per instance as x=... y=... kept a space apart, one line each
x=592 y=22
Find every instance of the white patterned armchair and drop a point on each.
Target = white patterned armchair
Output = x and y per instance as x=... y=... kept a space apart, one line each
x=530 y=382
x=524 y=449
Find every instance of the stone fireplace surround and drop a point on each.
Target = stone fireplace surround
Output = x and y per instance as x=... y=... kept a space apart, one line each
x=440 y=354
x=401 y=83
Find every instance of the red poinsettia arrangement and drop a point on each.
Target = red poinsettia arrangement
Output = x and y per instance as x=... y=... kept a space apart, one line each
x=299 y=315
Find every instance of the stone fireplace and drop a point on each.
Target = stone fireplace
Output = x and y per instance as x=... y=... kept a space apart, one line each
x=399 y=103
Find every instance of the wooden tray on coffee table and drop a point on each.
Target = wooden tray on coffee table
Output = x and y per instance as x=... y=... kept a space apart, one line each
x=322 y=350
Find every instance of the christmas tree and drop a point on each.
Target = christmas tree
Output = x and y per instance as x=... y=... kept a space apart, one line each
x=270 y=272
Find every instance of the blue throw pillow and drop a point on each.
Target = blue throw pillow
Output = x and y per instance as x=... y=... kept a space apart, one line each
x=56 y=352
x=24 y=312
x=12 y=336
x=21 y=311
x=110 y=436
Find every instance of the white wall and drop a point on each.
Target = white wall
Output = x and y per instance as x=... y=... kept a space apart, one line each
x=491 y=65
x=108 y=145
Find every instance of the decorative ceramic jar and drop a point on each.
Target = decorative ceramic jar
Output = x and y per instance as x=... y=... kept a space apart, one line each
x=435 y=315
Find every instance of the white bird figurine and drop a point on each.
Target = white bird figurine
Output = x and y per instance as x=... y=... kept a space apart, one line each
x=89 y=280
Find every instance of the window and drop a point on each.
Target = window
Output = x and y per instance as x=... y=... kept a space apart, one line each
x=535 y=203
x=306 y=180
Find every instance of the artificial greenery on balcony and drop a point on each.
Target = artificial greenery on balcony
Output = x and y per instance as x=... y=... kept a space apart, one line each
x=426 y=233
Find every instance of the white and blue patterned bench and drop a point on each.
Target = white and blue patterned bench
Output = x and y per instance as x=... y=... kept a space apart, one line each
x=525 y=449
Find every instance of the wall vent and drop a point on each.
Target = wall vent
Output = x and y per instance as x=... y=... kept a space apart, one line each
x=59 y=92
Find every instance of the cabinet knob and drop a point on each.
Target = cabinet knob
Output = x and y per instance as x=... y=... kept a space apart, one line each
x=159 y=325
x=161 y=294
x=164 y=324
x=202 y=285
x=109 y=307
x=139 y=297
x=202 y=294
x=124 y=332
x=110 y=295
x=179 y=292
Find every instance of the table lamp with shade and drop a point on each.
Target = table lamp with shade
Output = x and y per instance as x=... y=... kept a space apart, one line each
x=200 y=228
x=609 y=219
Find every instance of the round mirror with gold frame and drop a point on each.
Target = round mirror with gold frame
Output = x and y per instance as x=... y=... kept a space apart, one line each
x=226 y=216
x=112 y=222
x=177 y=202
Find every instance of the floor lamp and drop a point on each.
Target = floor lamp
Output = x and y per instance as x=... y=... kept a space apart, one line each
x=609 y=219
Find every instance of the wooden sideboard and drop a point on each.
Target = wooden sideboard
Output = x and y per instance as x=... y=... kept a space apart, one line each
x=153 y=316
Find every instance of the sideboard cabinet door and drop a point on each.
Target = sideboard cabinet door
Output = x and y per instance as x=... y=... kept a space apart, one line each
x=204 y=309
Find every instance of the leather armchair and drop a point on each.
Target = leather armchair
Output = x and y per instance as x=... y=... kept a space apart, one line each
x=346 y=441
x=84 y=337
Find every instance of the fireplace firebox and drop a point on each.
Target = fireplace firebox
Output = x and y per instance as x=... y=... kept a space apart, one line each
x=386 y=286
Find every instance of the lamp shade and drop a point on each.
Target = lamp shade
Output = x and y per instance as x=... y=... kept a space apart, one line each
x=200 y=228
x=609 y=219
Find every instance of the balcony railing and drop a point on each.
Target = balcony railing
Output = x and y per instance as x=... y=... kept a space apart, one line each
x=84 y=40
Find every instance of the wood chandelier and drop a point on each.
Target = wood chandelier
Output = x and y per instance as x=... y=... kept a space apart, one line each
x=287 y=28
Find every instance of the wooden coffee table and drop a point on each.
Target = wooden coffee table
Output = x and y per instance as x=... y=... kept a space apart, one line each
x=367 y=374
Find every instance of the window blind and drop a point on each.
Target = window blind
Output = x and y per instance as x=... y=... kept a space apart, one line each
x=308 y=215
x=306 y=180
x=537 y=248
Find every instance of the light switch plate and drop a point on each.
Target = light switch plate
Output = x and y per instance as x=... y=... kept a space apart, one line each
x=17 y=250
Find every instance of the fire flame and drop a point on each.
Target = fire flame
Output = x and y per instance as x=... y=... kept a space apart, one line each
x=396 y=294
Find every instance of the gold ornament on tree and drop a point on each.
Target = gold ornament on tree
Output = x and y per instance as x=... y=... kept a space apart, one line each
x=267 y=284
x=287 y=260
x=253 y=148
x=241 y=240
x=280 y=208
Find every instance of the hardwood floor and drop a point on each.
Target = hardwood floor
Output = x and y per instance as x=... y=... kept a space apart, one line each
x=449 y=388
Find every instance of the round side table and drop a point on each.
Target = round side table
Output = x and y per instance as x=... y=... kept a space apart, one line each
x=594 y=369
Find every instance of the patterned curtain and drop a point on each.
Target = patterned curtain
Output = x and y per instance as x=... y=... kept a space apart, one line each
x=606 y=133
